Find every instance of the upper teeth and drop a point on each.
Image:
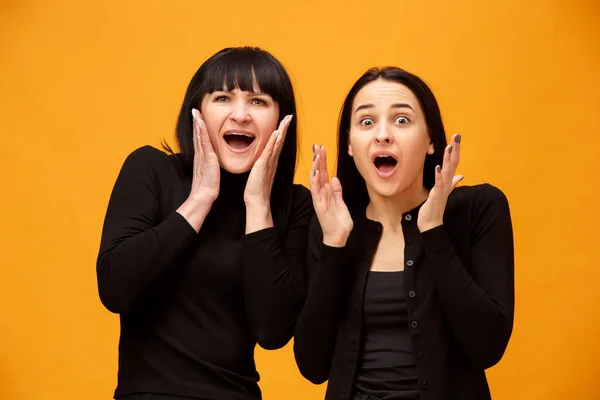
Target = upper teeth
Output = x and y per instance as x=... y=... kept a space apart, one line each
x=240 y=134
x=383 y=155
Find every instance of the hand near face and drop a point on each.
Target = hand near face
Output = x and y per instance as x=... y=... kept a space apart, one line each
x=260 y=181
x=431 y=213
x=332 y=212
x=206 y=178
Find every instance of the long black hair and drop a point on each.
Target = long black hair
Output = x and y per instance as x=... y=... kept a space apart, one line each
x=353 y=184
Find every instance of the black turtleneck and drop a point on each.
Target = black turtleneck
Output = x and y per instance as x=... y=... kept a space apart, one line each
x=193 y=305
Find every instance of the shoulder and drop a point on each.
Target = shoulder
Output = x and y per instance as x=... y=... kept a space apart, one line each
x=148 y=159
x=482 y=195
x=146 y=155
x=481 y=204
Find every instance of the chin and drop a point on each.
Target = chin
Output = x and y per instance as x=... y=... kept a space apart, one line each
x=387 y=188
x=237 y=166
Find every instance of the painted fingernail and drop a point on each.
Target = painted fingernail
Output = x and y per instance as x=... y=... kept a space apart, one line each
x=314 y=158
x=438 y=168
x=314 y=145
x=314 y=172
x=450 y=150
x=457 y=138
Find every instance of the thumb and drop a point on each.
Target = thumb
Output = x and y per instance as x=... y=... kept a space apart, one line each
x=455 y=180
x=336 y=186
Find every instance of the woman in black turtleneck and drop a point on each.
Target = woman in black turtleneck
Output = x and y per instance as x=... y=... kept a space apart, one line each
x=203 y=251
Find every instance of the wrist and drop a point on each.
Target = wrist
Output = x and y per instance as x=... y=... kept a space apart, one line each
x=335 y=240
x=202 y=198
x=258 y=217
x=195 y=211
x=259 y=206
x=423 y=227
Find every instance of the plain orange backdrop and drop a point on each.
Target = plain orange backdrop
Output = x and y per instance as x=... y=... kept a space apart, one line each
x=82 y=84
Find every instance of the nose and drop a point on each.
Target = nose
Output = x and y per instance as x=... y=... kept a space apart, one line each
x=239 y=111
x=382 y=135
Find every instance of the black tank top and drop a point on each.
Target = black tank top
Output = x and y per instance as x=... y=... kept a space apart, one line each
x=387 y=369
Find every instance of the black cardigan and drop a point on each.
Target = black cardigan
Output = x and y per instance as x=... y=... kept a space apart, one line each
x=460 y=289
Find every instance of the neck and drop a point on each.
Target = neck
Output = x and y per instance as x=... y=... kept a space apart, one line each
x=232 y=186
x=388 y=210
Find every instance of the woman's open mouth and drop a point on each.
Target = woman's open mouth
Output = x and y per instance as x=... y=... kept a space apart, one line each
x=239 y=141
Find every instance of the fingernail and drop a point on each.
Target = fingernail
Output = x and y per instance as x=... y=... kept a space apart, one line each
x=314 y=145
x=450 y=150
x=438 y=168
x=457 y=138
x=321 y=147
x=315 y=157
x=194 y=113
x=314 y=172
x=276 y=133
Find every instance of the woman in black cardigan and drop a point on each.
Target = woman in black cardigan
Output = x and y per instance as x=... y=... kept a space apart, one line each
x=203 y=252
x=411 y=287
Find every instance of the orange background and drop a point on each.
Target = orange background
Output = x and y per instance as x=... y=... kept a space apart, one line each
x=82 y=84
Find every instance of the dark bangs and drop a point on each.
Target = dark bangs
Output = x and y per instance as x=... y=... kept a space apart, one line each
x=238 y=69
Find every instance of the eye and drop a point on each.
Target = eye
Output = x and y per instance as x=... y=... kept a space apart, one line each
x=402 y=120
x=258 y=102
x=367 y=122
x=221 y=99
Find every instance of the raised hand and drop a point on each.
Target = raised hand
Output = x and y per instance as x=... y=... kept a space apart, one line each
x=332 y=213
x=260 y=181
x=206 y=176
x=431 y=213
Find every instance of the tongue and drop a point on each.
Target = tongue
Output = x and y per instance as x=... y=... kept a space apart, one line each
x=238 y=142
x=386 y=167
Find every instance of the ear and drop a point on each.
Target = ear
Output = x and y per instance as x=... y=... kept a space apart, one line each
x=430 y=148
x=350 y=152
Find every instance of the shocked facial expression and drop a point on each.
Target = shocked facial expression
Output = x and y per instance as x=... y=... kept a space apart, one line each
x=388 y=137
x=239 y=124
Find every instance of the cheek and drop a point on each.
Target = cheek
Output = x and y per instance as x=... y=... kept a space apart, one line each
x=360 y=148
x=266 y=124
x=413 y=153
x=213 y=120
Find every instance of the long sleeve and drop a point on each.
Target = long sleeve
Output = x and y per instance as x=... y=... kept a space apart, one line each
x=319 y=322
x=478 y=303
x=274 y=262
x=136 y=249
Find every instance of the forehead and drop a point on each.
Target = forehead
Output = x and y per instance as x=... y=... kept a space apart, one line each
x=382 y=94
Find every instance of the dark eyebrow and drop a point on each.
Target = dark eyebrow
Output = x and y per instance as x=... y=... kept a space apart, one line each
x=363 y=107
x=402 y=105
x=396 y=105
